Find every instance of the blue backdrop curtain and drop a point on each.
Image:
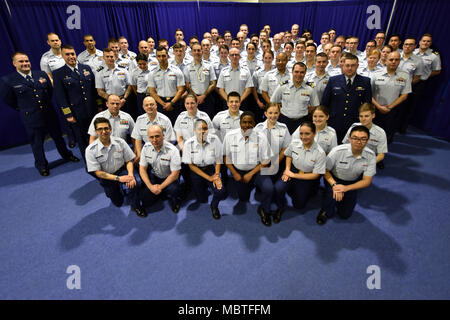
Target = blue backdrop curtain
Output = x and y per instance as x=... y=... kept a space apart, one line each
x=30 y=20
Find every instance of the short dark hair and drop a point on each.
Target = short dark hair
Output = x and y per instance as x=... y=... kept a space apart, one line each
x=141 y=56
x=67 y=47
x=360 y=129
x=161 y=48
x=101 y=120
x=233 y=94
x=310 y=125
x=247 y=113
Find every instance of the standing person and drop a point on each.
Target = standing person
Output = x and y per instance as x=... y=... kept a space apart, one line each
x=203 y=154
x=246 y=152
x=390 y=89
x=384 y=54
x=258 y=78
x=159 y=168
x=279 y=138
x=75 y=94
x=296 y=97
x=275 y=77
x=372 y=66
x=380 y=37
x=305 y=163
x=166 y=85
x=350 y=167
x=344 y=94
x=114 y=79
x=200 y=77
x=92 y=56
x=334 y=68
x=124 y=52
x=52 y=59
x=139 y=81
x=30 y=92
x=235 y=78
x=318 y=79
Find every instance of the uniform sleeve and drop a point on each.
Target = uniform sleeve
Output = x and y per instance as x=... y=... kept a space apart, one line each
x=407 y=89
x=333 y=142
x=176 y=126
x=249 y=83
x=143 y=160
x=265 y=83
x=134 y=76
x=436 y=64
x=288 y=151
x=218 y=150
x=135 y=133
x=170 y=132
x=128 y=154
x=175 y=161
x=99 y=84
x=186 y=74
x=420 y=68
x=180 y=78
x=276 y=96
x=371 y=169
x=212 y=73
x=287 y=139
x=382 y=146
x=220 y=83
x=60 y=95
x=44 y=65
x=151 y=81
x=331 y=159
x=226 y=146
x=91 y=163
x=320 y=164
x=186 y=158
x=7 y=93
x=346 y=140
x=314 y=98
x=132 y=125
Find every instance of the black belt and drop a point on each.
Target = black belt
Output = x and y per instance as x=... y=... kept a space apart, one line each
x=166 y=99
x=143 y=94
x=206 y=167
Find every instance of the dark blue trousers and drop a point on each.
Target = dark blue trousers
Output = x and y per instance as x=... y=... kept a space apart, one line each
x=37 y=137
x=201 y=186
x=291 y=123
x=343 y=208
x=114 y=190
x=173 y=192
x=300 y=191
x=264 y=184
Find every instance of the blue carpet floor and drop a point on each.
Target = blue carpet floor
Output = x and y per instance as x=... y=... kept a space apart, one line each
x=401 y=225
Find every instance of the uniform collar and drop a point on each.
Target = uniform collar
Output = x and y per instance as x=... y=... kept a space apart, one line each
x=299 y=144
x=101 y=145
x=25 y=75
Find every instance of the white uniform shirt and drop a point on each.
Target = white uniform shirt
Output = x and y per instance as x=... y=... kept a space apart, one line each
x=312 y=160
x=122 y=125
x=273 y=79
x=431 y=62
x=235 y=80
x=325 y=138
x=143 y=122
x=224 y=122
x=246 y=154
x=49 y=62
x=108 y=159
x=92 y=60
x=113 y=81
x=294 y=100
x=343 y=164
x=166 y=81
x=386 y=88
x=162 y=163
x=184 y=125
x=199 y=76
x=203 y=155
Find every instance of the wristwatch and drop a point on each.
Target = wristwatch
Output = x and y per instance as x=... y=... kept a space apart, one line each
x=117 y=178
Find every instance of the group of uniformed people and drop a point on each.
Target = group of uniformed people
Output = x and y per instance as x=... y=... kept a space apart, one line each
x=266 y=112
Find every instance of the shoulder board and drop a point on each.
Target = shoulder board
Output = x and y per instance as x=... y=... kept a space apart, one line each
x=436 y=53
x=100 y=68
x=121 y=66
x=284 y=82
x=92 y=146
x=311 y=84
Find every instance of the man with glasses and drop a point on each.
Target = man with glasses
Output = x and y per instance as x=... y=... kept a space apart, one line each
x=350 y=167
x=380 y=37
x=110 y=159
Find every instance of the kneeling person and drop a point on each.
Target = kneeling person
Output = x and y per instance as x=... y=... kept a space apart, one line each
x=350 y=167
x=108 y=157
x=163 y=158
x=203 y=154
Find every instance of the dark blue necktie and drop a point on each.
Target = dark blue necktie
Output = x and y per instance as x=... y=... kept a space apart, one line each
x=29 y=79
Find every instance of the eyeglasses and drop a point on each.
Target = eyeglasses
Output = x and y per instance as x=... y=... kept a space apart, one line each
x=359 y=139
x=234 y=55
x=103 y=129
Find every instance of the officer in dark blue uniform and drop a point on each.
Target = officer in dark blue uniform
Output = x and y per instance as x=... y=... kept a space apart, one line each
x=31 y=93
x=344 y=94
x=75 y=94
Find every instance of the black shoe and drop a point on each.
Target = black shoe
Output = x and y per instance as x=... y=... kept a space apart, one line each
x=322 y=217
x=265 y=218
x=140 y=212
x=215 y=213
x=380 y=165
x=72 y=158
x=72 y=144
x=175 y=208
x=277 y=216
x=44 y=172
